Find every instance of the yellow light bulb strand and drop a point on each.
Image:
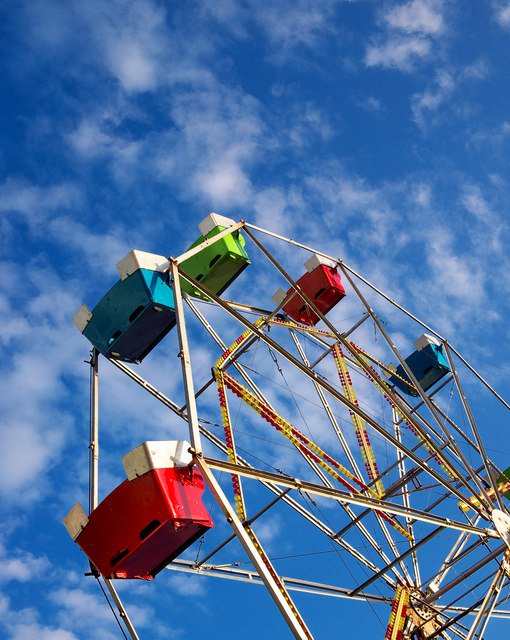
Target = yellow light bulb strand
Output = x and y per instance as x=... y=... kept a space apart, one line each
x=359 y=424
x=305 y=445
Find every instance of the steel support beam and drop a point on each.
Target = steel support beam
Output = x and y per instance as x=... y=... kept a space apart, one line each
x=357 y=499
x=255 y=558
x=94 y=430
x=94 y=479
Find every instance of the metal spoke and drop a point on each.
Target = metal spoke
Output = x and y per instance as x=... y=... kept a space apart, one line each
x=352 y=498
x=487 y=605
x=406 y=502
x=94 y=480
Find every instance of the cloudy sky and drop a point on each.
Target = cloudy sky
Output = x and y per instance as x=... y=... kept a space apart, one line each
x=375 y=131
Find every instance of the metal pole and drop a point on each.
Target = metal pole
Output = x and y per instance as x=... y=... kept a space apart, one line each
x=410 y=475
x=252 y=577
x=490 y=611
x=312 y=464
x=493 y=592
x=122 y=611
x=94 y=430
x=247 y=522
x=94 y=477
x=482 y=380
x=447 y=564
x=207 y=242
x=481 y=563
x=359 y=499
x=187 y=375
x=281 y=602
x=327 y=408
x=223 y=346
x=458 y=557
x=350 y=457
x=410 y=551
x=405 y=499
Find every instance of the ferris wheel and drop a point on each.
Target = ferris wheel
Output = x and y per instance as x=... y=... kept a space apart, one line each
x=327 y=408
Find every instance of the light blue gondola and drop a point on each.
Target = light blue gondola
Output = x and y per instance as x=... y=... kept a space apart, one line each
x=136 y=313
x=428 y=364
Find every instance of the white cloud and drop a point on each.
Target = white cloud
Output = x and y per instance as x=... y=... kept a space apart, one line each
x=52 y=214
x=433 y=97
x=135 y=69
x=267 y=530
x=228 y=12
x=422 y=193
x=270 y=207
x=89 y=140
x=34 y=427
x=128 y=41
x=495 y=136
x=101 y=251
x=225 y=184
x=32 y=622
x=459 y=278
x=503 y=15
x=308 y=123
x=23 y=631
x=129 y=38
x=19 y=473
x=93 y=139
x=439 y=93
x=78 y=606
x=13 y=327
x=186 y=586
x=487 y=230
x=418 y=16
x=474 y=201
x=371 y=104
x=288 y=24
x=411 y=35
x=398 y=52
x=4 y=605
x=408 y=220
x=33 y=202
x=349 y=194
x=79 y=601
x=21 y=566
x=216 y=139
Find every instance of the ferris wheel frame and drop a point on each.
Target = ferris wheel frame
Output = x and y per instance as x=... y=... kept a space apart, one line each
x=483 y=492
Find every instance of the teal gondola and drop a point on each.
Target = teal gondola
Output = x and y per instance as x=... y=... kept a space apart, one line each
x=136 y=313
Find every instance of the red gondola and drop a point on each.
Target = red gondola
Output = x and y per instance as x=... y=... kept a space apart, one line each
x=148 y=520
x=321 y=283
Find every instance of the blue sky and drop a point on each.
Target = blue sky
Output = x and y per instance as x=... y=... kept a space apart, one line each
x=377 y=132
